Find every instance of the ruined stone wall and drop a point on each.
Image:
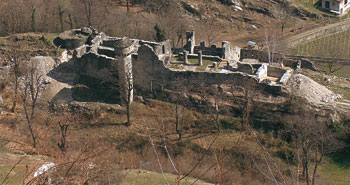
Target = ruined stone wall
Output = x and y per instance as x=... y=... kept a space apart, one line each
x=236 y=53
x=230 y=52
x=262 y=56
x=275 y=72
x=160 y=48
x=254 y=54
x=150 y=73
x=100 y=75
x=125 y=78
x=212 y=51
x=304 y=63
x=152 y=78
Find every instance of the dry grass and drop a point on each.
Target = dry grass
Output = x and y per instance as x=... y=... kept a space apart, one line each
x=131 y=144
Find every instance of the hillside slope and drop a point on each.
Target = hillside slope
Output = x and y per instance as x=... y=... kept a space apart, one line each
x=214 y=20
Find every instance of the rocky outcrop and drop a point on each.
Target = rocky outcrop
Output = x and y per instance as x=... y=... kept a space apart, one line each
x=43 y=67
x=311 y=91
x=72 y=39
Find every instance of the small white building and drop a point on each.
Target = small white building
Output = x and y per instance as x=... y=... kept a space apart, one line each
x=339 y=7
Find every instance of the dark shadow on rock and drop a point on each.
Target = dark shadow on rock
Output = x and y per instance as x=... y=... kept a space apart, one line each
x=87 y=94
x=87 y=87
x=65 y=73
x=63 y=97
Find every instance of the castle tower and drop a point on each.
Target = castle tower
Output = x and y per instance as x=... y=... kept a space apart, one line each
x=190 y=42
x=123 y=49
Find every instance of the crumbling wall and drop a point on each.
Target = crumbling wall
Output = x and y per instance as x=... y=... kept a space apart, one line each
x=245 y=68
x=212 y=51
x=262 y=56
x=150 y=74
x=125 y=78
x=304 y=64
x=275 y=72
x=160 y=48
x=254 y=54
x=262 y=72
x=190 y=42
x=153 y=79
x=100 y=75
x=229 y=52
x=236 y=54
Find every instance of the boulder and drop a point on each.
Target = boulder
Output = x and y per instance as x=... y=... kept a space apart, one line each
x=72 y=39
x=43 y=66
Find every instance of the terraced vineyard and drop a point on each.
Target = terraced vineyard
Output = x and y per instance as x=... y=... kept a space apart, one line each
x=333 y=46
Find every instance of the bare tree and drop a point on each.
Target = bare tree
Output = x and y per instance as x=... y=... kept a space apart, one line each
x=313 y=139
x=87 y=8
x=63 y=132
x=61 y=14
x=271 y=44
x=178 y=127
x=32 y=83
x=242 y=96
x=16 y=58
x=174 y=25
x=129 y=98
x=33 y=18
x=210 y=30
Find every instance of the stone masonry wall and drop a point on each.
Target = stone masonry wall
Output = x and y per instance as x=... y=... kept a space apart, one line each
x=150 y=73
x=100 y=74
x=153 y=79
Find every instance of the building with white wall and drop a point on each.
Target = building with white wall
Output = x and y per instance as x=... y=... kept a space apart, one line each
x=339 y=7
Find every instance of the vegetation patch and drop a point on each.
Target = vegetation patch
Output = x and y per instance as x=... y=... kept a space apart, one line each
x=336 y=170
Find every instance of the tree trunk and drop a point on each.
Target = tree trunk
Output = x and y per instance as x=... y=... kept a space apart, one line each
x=87 y=5
x=71 y=24
x=127 y=6
x=128 y=114
x=32 y=134
x=177 y=121
x=16 y=93
x=315 y=169
x=307 y=172
x=60 y=14
x=29 y=124
x=89 y=14
x=246 y=111
x=33 y=19
x=128 y=104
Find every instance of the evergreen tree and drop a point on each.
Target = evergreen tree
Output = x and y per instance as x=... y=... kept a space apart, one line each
x=160 y=34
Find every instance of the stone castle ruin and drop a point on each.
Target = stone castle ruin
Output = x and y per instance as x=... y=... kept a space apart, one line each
x=103 y=69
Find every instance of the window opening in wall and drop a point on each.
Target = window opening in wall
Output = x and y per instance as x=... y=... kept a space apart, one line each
x=327 y=4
